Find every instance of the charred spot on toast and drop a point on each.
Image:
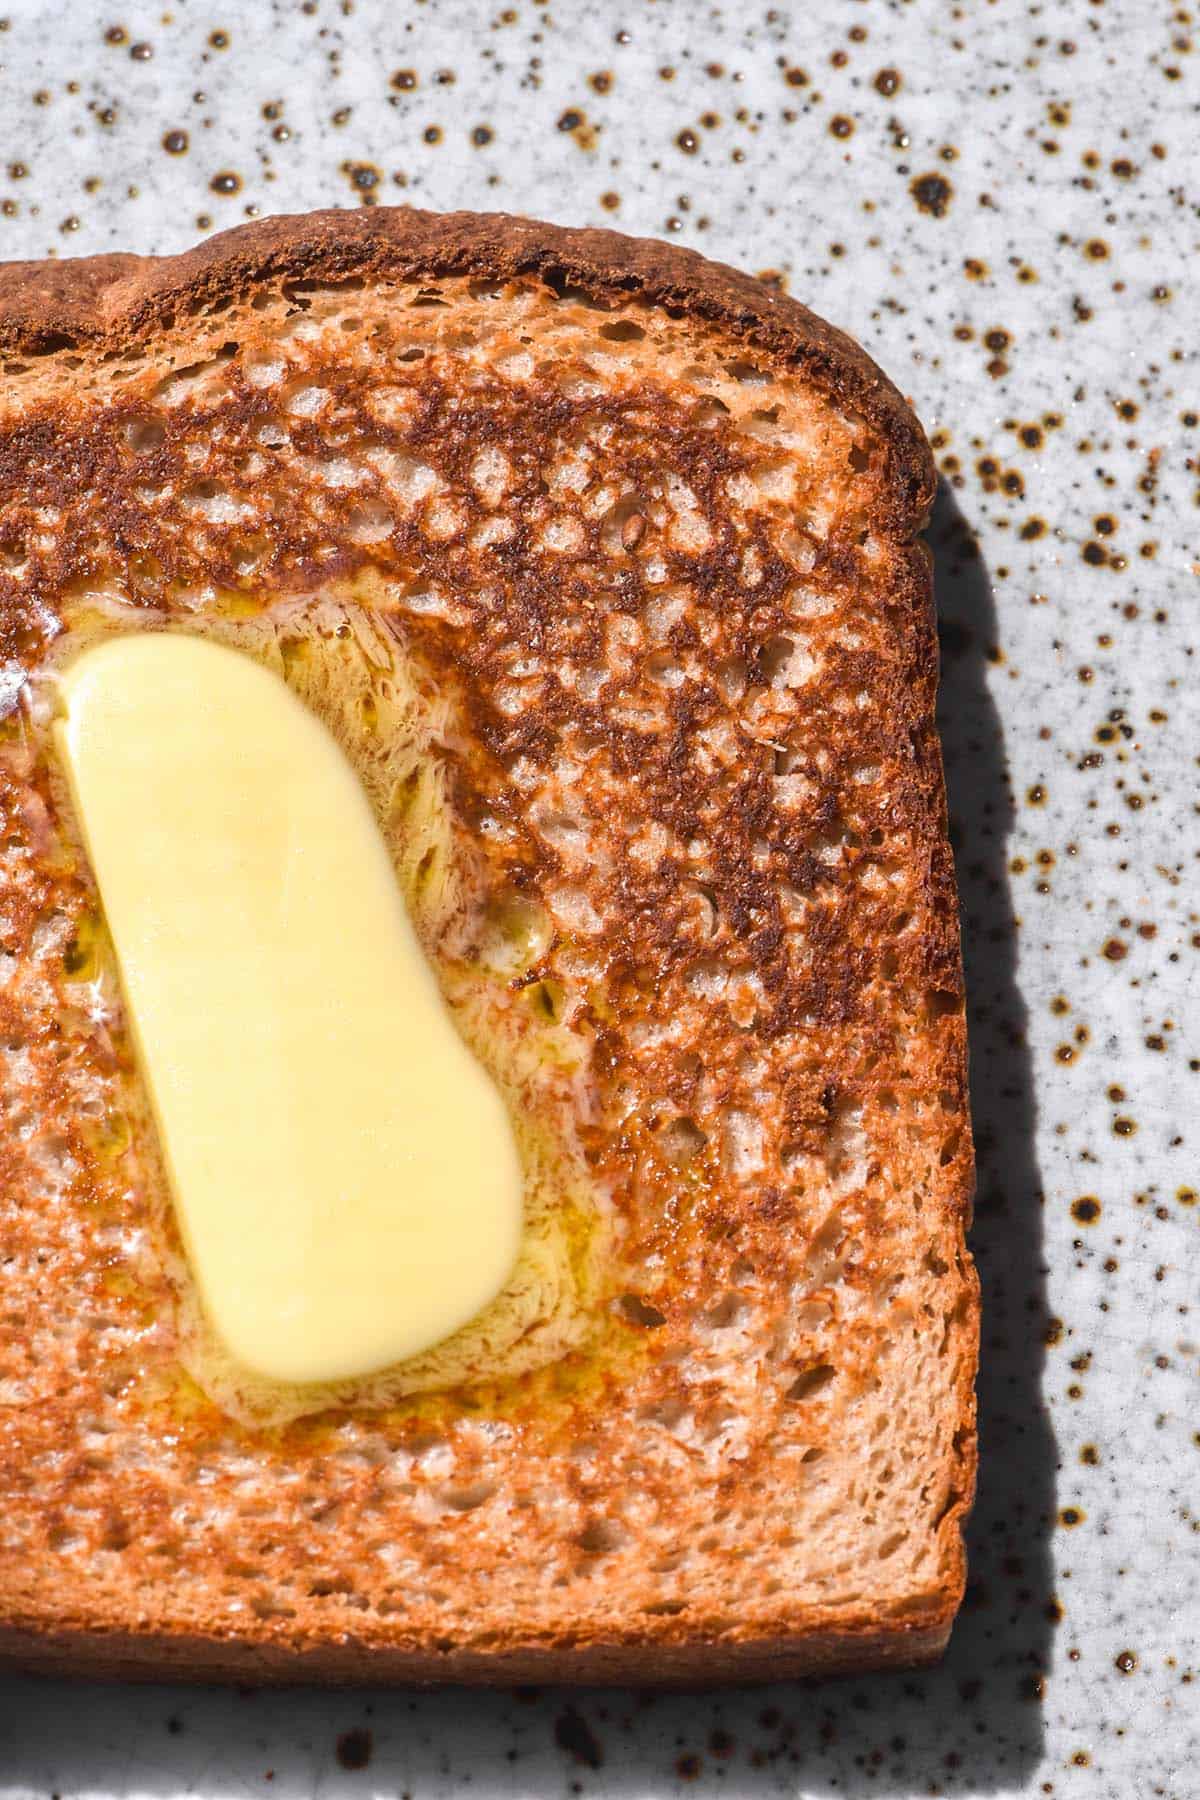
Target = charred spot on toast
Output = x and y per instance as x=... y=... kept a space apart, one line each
x=672 y=612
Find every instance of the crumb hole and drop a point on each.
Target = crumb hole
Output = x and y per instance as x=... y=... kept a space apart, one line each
x=811 y=1381
x=144 y=434
x=600 y=1537
x=638 y=1312
x=466 y=1499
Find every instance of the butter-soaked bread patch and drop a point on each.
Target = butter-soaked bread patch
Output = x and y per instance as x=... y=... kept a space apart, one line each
x=343 y=659
x=618 y=612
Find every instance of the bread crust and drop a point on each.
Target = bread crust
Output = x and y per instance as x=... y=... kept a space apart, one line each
x=114 y=300
x=109 y=304
x=122 y=1655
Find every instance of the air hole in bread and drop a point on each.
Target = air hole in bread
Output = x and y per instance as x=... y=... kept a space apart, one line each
x=681 y=1141
x=728 y=1310
x=821 y=1258
x=731 y=676
x=710 y=410
x=326 y=1585
x=784 y=663
x=51 y=343
x=212 y=501
x=949 y=1148
x=548 y=999
x=624 y=525
x=310 y=290
x=265 y=1606
x=569 y=836
x=639 y=1312
x=667 y=1565
x=249 y=554
x=181 y=384
x=800 y=551
x=810 y=1382
x=668 y=1412
x=747 y=373
x=466 y=1499
x=144 y=434
x=600 y=1537
x=701 y=910
x=244 y=1571
x=663 y=668
x=370 y=521
x=622 y=331
x=559 y=284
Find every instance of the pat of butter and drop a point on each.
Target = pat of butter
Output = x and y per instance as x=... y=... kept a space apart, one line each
x=343 y=1169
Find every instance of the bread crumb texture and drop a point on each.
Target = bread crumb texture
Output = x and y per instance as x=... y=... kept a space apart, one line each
x=611 y=591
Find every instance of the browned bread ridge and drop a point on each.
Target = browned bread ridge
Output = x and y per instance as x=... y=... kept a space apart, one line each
x=644 y=535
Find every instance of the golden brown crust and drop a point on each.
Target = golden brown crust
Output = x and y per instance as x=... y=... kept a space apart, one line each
x=127 y=1656
x=893 y=1042
x=108 y=301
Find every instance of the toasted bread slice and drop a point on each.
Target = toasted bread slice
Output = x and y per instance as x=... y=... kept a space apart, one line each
x=602 y=562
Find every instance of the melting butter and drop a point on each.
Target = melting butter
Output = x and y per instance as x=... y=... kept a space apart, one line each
x=344 y=1171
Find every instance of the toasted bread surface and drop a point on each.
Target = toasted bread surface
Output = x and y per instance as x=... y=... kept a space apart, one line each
x=620 y=549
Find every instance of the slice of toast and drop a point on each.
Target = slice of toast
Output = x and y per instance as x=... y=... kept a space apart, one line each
x=601 y=561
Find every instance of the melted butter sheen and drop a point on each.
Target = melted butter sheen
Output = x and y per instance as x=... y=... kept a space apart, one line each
x=344 y=1171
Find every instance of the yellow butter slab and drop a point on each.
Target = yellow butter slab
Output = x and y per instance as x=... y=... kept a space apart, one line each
x=344 y=1170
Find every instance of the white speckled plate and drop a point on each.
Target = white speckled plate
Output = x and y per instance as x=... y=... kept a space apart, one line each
x=1001 y=202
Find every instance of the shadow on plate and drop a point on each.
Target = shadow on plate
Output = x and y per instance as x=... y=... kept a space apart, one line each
x=971 y=1726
